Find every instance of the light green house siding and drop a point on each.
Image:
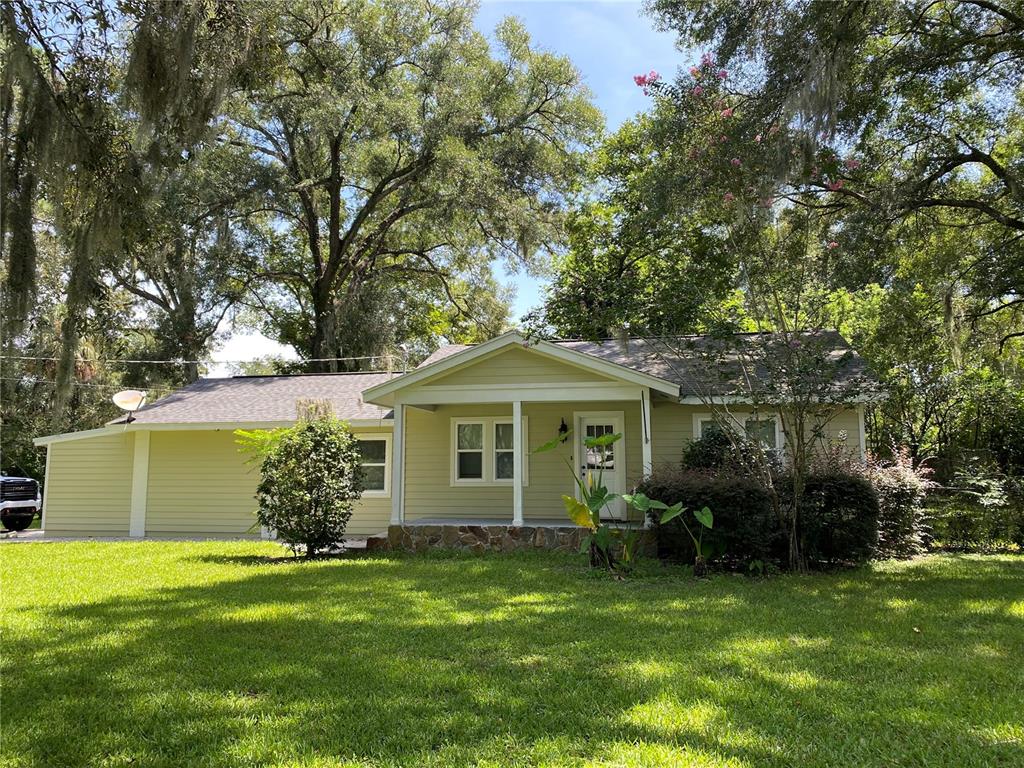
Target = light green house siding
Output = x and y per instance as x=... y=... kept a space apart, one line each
x=198 y=485
x=430 y=492
x=516 y=365
x=89 y=486
x=672 y=425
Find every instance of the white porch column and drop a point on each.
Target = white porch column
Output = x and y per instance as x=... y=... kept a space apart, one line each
x=645 y=416
x=140 y=485
x=645 y=438
x=517 y=462
x=398 y=466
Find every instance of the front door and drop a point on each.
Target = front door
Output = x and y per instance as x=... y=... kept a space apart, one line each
x=608 y=463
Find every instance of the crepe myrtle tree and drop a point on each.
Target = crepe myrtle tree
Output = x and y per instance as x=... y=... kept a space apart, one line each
x=311 y=476
x=802 y=378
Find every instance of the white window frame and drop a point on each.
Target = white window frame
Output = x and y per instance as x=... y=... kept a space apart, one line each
x=386 y=437
x=738 y=422
x=490 y=453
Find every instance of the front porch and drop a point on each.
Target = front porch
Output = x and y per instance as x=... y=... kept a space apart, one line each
x=463 y=467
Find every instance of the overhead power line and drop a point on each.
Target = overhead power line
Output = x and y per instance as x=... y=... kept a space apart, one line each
x=115 y=360
x=34 y=381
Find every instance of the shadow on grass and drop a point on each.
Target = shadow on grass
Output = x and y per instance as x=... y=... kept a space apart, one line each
x=446 y=661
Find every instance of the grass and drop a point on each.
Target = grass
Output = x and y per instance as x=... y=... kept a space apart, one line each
x=215 y=654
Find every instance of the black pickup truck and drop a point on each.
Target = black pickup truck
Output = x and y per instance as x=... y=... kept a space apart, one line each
x=20 y=502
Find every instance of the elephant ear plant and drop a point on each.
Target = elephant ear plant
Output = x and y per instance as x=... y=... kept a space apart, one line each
x=675 y=512
x=602 y=541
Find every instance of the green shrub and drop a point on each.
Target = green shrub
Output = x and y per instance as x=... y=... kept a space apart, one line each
x=985 y=512
x=838 y=520
x=903 y=529
x=745 y=528
x=715 y=450
x=710 y=451
x=311 y=476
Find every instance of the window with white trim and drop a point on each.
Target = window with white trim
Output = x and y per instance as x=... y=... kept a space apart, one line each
x=469 y=451
x=761 y=427
x=504 y=453
x=375 y=453
x=483 y=452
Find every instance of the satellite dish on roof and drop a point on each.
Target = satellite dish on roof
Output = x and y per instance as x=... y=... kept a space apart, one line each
x=129 y=400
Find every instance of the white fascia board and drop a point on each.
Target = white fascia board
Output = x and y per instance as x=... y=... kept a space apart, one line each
x=615 y=370
x=747 y=400
x=500 y=393
x=381 y=393
x=80 y=435
x=184 y=426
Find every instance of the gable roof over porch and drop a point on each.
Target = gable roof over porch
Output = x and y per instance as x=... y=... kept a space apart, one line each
x=510 y=361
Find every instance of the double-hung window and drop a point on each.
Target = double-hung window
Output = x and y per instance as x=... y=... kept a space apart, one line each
x=764 y=428
x=483 y=452
x=375 y=452
x=469 y=451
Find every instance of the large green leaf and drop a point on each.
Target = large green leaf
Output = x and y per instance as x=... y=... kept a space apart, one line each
x=637 y=500
x=603 y=538
x=672 y=512
x=578 y=512
x=704 y=517
x=603 y=441
x=551 y=444
x=598 y=498
x=643 y=503
x=585 y=544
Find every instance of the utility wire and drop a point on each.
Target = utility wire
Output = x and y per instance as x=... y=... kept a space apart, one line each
x=30 y=380
x=202 y=362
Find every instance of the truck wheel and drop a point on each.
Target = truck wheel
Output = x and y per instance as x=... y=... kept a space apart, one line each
x=16 y=521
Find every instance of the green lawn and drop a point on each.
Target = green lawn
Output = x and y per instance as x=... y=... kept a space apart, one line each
x=175 y=654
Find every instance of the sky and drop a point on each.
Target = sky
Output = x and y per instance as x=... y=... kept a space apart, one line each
x=609 y=41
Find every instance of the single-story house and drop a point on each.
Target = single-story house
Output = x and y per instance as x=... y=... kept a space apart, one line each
x=447 y=441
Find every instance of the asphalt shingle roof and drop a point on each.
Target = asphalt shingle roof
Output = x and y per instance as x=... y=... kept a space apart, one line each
x=701 y=365
x=265 y=398
x=709 y=366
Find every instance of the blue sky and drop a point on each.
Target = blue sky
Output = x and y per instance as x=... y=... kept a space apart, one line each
x=608 y=41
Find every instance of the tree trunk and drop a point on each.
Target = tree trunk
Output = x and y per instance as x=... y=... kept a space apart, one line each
x=323 y=343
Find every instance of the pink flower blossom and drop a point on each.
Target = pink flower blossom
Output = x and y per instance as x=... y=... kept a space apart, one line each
x=757 y=139
x=835 y=186
x=708 y=60
x=852 y=164
x=727 y=112
x=735 y=162
x=694 y=71
x=729 y=197
x=832 y=244
x=697 y=90
x=722 y=74
x=645 y=80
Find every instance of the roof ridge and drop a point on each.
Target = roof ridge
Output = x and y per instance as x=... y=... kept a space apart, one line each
x=299 y=374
